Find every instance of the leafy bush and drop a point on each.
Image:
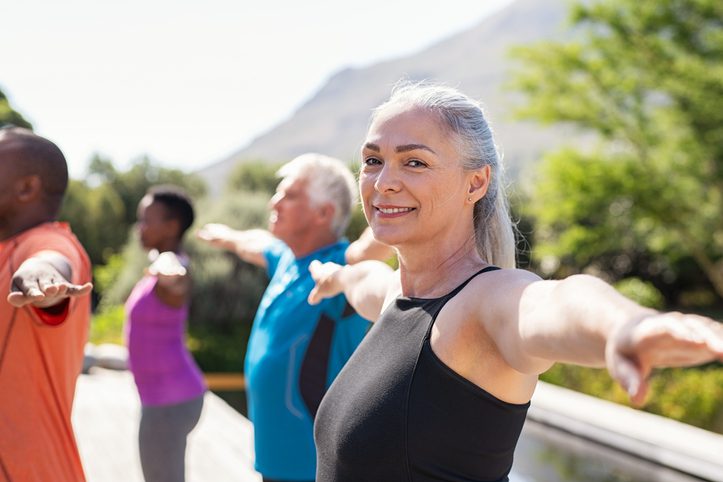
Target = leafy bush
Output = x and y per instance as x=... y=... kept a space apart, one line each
x=693 y=395
x=115 y=279
x=226 y=291
x=109 y=198
x=641 y=291
x=253 y=177
x=107 y=325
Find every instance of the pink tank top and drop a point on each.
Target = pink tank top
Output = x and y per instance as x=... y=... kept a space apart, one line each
x=164 y=371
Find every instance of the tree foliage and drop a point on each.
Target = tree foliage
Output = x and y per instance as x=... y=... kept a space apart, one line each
x=253 y=177
x=102 y=209
x=132 y=184
x=97 y=216
x=647 y=79
x=9 y=116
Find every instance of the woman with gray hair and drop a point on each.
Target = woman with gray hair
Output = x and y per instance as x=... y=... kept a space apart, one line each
x=439 y=388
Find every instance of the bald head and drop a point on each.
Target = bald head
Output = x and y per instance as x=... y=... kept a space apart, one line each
x=24 y=153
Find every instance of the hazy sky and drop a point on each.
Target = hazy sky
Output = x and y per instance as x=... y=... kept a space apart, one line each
x=188 y=81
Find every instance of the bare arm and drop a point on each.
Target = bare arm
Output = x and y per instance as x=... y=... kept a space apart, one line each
x=583 y=320
x=571 y=320
x=367 y=247
x=249 y=245
x=365 y=284
x=44 y=280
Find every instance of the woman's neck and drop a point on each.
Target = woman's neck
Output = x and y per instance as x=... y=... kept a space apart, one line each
x=434 y=270
x=170 y=245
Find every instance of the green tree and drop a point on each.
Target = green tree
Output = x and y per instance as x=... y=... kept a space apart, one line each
x=132 y=184
x=97 y=216
x=647 y=79
x=102 y=209
x=8 y=115
x=253 y=177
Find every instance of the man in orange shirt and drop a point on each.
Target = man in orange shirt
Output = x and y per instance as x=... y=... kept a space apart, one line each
x=44 y=313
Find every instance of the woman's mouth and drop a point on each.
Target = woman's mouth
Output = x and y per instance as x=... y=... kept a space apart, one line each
x=393 y=210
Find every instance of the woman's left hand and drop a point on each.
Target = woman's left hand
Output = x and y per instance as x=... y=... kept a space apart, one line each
x=660 y=340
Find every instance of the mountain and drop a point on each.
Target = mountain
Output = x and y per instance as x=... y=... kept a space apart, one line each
x=335 y=119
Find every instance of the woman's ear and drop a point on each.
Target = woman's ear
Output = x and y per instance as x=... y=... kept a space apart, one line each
x=479 y=182
x=173 y=228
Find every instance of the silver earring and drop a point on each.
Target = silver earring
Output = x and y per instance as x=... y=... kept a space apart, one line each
x=469 y=199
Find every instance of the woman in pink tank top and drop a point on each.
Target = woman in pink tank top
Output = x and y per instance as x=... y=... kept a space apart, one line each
x=170 y=384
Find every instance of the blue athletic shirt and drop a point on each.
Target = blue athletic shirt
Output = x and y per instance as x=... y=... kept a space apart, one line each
x=294 y=353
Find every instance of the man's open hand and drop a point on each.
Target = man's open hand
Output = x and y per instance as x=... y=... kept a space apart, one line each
x=43 y=281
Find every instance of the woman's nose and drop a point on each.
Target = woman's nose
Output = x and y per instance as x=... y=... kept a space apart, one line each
x=387 y=179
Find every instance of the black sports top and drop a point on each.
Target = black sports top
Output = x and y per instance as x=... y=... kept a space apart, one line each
x=397 y=413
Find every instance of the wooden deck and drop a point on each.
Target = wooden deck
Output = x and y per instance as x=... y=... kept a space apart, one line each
x=105 y=418
x=106 y=414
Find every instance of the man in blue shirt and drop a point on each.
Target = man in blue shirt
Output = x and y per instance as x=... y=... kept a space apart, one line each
x=295 y=349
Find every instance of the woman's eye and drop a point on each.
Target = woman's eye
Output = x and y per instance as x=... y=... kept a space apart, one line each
x=415 y=163
x=372 y=161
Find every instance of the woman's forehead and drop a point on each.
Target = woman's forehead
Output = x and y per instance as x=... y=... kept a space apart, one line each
x=406 y=126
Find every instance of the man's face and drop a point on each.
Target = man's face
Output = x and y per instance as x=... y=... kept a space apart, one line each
x=8 y=177
x=292 y=213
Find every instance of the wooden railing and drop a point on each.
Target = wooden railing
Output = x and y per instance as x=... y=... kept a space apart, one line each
x=225 y=381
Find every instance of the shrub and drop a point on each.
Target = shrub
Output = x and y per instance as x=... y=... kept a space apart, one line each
x=107 y=325
x=226 y=291
x=641 y=291
x=692 y=395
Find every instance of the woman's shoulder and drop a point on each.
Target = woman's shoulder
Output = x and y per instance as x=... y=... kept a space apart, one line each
x=507 y=275
x=500 y=288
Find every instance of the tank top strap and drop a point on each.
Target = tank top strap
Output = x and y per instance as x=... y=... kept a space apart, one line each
x=439 y=303
x=459 y=288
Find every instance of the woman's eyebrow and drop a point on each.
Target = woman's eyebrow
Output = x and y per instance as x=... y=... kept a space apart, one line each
x=403 y=148
x=414 y=147
x=372 y=147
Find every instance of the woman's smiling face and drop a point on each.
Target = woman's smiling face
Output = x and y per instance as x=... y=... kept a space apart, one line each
x=412 y=182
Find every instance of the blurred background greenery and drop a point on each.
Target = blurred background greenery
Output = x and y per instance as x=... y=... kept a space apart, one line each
x=640 y=205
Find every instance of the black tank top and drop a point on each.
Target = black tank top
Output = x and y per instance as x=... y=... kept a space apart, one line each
x=397 y=413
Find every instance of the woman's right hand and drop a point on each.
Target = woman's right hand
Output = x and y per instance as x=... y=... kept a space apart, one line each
x=326 y=276
x=661 y=340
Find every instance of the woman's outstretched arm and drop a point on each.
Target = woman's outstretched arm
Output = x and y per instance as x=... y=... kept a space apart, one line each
x=583 y=320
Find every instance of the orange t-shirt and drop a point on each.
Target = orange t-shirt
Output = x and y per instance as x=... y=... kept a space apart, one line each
x=39 y=365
